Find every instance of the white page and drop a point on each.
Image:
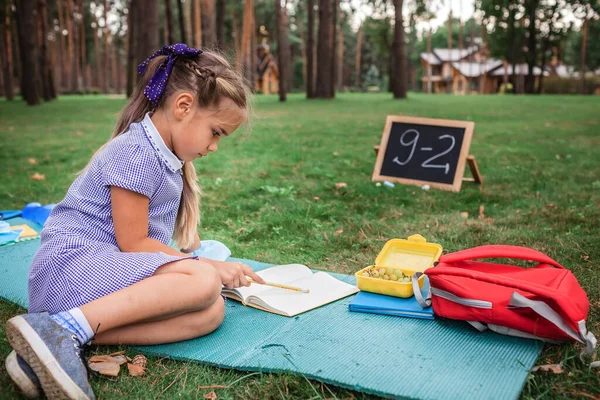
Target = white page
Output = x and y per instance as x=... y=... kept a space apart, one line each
x=277 y=274
x=323 y=287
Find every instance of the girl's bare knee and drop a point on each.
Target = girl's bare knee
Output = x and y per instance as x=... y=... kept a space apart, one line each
x=207 y=283
x=206 y=321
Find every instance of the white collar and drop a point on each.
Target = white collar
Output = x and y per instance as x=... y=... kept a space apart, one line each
x=174 y=163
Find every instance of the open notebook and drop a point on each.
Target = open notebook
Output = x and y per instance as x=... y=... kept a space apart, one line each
x=323 y=287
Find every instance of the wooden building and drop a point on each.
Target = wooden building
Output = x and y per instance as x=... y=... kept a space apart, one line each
x=468 y=71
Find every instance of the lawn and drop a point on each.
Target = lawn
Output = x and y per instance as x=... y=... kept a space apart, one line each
x=271 y=195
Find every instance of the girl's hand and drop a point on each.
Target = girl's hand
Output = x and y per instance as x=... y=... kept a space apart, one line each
x=233 y=274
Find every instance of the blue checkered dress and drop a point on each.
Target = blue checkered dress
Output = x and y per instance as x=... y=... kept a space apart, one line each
x=79 y=260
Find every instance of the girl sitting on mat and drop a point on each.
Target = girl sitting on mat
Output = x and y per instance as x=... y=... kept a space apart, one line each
x=104 y=271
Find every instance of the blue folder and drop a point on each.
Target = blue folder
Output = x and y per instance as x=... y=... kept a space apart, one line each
x=388 y=305
x=6 y=214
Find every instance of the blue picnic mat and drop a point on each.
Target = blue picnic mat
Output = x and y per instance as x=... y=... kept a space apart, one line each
x=384 y=355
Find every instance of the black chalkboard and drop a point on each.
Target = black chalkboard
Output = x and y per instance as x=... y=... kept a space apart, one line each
x=424 y=151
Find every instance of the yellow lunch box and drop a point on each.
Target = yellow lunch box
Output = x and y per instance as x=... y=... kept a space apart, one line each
x=410 y=255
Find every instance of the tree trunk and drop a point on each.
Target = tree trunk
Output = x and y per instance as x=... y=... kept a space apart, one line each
x=118 y=68
x=132 y=29
x=302 y=35
x=47 y=80
x=197 y=25
x=545 y=49
x=247 y=51
x=169 y=22
x=584 y=33
x=26 y=28
x=512 y=45
x=7 y=59
x=209 y=36
x=72 y=61
x=237 y=42
x=283 y=49
x=64 y=64
x=334 y=29
x=399 y=53
x=324 y=50
x=359 y=40
x=340 y=59
x=16 y=53
x=310 y=45
x=147 y=22
x=86 y=83
x=181 y=16
x=221 y=11
x=98 y=69
x=76 y=71
x=531 y=51
x=189 y=16
x=106 y=58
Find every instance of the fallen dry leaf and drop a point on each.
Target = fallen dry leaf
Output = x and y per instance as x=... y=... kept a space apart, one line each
x=316 y=198
x=117 y=359
x=488 y=220
x=341 y=185
x=210 y=395
x=38 y=177
x=550 y=205
x=481 y=214
x=339 y=232
x=32 y=161
x=105 y=368
x=556 y=368
x=79 y=133
x=136 y=370
x=464 y=215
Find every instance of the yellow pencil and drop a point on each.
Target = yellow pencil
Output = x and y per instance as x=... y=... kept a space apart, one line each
x=280 y=285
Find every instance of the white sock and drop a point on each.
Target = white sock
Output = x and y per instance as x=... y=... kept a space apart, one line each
x=75 y=321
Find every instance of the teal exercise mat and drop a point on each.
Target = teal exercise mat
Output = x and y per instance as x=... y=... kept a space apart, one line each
x=389 y=356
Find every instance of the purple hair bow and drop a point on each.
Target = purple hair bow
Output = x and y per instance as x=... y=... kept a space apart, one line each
x=158 y=82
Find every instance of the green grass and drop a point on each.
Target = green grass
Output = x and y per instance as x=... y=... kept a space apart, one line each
x=538 y=155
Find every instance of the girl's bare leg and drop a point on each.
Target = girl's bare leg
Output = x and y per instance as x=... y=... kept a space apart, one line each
x=183 y=327
x=182 y=292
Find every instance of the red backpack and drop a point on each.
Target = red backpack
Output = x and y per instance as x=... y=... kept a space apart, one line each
x=544 y=302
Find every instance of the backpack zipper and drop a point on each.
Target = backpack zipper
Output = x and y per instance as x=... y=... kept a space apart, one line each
x=461 y=300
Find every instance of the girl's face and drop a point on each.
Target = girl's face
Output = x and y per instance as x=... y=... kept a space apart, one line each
x=198 y=132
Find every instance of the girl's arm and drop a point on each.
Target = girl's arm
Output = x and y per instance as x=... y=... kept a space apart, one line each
x=130 y=218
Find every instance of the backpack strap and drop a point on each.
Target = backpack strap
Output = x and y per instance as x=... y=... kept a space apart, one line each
x=545 y=311
x=424 y=303
x=499 y=251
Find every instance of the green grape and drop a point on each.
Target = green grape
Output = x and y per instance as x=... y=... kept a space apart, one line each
x=389 y=271
x=398 y=273
x=365 y=274
x=375 y=273
x=393 y=277
x=382 y=271
x=386 y=277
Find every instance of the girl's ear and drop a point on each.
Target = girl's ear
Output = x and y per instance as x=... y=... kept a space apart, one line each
x=184 y=103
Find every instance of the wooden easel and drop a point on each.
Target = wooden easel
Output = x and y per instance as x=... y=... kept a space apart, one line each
x=477 y=177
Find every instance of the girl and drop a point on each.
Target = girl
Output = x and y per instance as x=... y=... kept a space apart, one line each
x=104 y=270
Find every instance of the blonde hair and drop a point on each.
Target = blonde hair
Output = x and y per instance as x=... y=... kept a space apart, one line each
x=212 y=79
